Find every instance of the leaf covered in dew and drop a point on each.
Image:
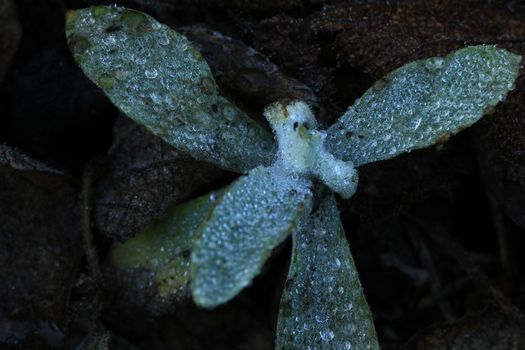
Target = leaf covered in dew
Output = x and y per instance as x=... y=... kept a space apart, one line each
x=155 y=76
x=162 y=251
x=253 y=216
x=422 y=103
x=323 y=306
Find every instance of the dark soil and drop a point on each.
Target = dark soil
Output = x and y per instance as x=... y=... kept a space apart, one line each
x=436 y=234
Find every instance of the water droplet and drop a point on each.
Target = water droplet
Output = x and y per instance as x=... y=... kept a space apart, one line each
x=156 y=98
x=327 y=334
x=109 y=40
x=139 y=60
x=353 y=328
x=151 y=74
x=413 y=124
x=229 y=113
x=337 y=263
x=321 y=318
x=156 y=25
x=164 y=40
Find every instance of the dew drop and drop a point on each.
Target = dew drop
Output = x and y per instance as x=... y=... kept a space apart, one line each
x=164 y=40
x=229 y=113
x=414 y=123
x=348 y=307
x=139 y=60
x=327 y=334
x=109 y=40
x=156 y=25
x=151 y=74
x=156 y=98
x=320 y=318
x=337 y=263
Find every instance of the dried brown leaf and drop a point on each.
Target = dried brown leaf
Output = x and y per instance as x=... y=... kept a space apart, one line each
x=146 y=176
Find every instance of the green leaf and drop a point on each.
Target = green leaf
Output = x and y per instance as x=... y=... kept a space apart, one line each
x=422 y=103
x=155 y=76
x=253 y=216
x=163 y=249
x=323 y=306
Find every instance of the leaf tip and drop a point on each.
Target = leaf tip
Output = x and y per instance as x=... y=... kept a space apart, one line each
x=202 y=299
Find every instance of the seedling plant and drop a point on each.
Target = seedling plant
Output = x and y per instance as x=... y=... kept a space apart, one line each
x=155 y=76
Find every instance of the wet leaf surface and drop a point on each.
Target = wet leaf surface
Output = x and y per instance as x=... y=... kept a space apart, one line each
x=323 y=305
x=155 y=76
x=423 y=103
x=253 y=215
x=146 y=175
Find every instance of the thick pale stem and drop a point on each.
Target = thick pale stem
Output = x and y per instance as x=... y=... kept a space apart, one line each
x=301 y=150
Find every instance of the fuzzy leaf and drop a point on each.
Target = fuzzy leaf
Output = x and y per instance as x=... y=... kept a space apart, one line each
x=423 y=103
x=163 y=250
x=253 y=216
x=323 y=306
x=155 y=76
